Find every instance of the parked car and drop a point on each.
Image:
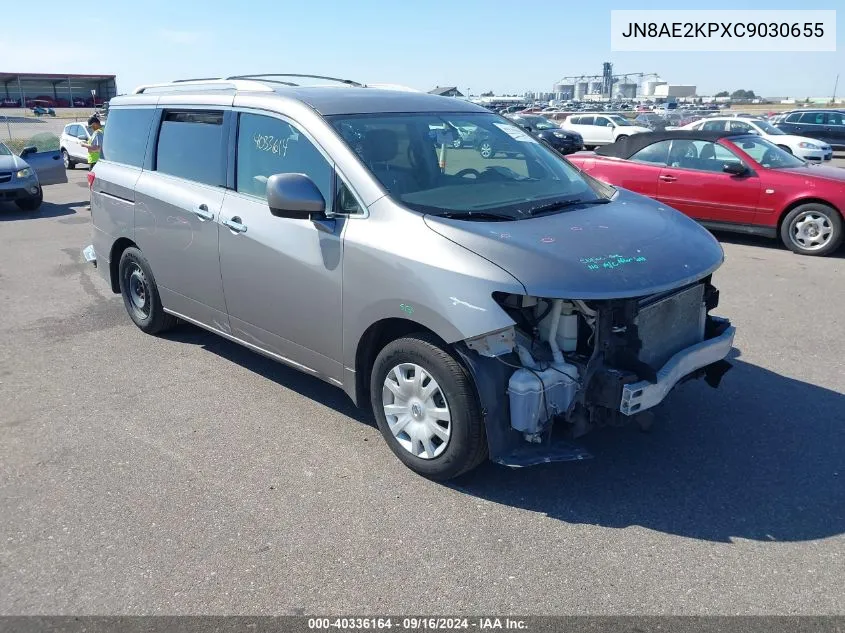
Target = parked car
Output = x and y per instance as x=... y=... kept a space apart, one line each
x=801 y=146
x=825 y=125
x=454 y=297
x=22 y=177
x=563 y=141
x=741 y=183
x=601 y=129
x=8 y=102
x=73 y=135
x=42 y=108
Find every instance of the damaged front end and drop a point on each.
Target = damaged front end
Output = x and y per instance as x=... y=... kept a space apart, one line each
x=583 y=364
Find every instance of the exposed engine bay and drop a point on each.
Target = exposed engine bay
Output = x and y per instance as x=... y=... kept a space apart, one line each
x=583 y=364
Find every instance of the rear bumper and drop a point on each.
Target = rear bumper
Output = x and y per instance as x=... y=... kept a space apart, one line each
x=643 y=395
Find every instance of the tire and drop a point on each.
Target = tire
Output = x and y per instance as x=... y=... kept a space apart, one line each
x=803 y=229
x=140 y=293
x=485 y=148
x=31 y=204
x=621 y=137
x=67 y=160
x=465 y=446
x=785 y=149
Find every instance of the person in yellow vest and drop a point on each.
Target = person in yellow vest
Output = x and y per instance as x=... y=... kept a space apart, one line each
x=95 y=143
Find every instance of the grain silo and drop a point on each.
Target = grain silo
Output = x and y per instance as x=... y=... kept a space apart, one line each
x=564 y=91
x=625 y=91
x=581 y=89
x=650 y=85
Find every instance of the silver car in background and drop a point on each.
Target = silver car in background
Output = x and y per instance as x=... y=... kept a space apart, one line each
x=475 y=304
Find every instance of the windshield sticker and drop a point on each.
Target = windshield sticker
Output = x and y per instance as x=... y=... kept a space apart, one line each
x=515 y=133
x=609 y=262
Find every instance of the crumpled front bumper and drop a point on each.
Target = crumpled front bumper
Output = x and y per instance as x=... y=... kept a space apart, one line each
x=643 y=395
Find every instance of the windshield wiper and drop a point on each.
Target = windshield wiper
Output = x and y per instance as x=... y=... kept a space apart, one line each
x=474 y=215
x=562 y=204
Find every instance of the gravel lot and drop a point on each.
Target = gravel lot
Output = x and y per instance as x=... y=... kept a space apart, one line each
x=186 y=475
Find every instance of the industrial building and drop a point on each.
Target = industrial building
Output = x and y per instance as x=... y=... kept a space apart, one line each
x=609 y=85
x=55 y=90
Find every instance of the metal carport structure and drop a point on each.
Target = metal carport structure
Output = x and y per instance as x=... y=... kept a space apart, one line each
x=62 y=88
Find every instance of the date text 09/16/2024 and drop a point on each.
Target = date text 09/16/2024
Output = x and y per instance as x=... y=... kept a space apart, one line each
x=414 y=623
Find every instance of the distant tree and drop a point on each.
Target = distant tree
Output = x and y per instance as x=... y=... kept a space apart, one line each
x=743 y=94
x=724 y=93
x=489 y=93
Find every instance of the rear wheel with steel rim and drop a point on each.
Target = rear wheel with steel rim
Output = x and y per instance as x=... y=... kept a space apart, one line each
x=140 y=293
x=812 y=229
x=426 y=408
x=69 y=164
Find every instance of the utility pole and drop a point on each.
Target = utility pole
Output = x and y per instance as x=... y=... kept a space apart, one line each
x=835 y=85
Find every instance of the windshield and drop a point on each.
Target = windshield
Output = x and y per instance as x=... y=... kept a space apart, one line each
x=767 y=153
x=504 y=172
x=4 y=151
x=768 y=128
x=619 y=120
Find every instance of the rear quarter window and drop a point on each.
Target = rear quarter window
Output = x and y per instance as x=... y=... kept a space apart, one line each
x=125 y=135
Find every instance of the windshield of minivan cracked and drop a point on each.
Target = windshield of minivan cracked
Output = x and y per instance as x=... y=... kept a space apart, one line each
x=472 y=166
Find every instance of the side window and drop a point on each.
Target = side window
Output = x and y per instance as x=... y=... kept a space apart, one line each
x=268 y=146
x=655 y=154
x=190 y=146
x=125 y=135
x=795 y=117
x=699 y=155
x=586 y=120
x=602 y=122
x=575 y=120
x=713 y=126
x=346 y=202
x=740 y=126
x=72 y=130
x=813 y=118
x=834 y=118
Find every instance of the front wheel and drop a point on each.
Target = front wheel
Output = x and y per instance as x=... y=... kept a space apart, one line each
x=31 y=204
x=69 y=164
x=621 y=137
x=425 y=405
x=812 y=229
x=140 y=293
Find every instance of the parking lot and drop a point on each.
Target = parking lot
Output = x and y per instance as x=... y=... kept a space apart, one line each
x=184 y=474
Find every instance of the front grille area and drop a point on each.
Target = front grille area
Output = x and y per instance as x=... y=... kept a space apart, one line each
x=669 y=323
x=5 y=176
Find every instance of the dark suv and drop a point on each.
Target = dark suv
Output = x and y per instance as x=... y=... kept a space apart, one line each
x=825 y=125
x=564 y=141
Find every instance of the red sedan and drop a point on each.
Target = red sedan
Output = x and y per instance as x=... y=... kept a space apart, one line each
x=734 y=183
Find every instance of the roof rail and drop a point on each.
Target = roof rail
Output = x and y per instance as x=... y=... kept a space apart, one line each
x=210 y=83
x=259 y=77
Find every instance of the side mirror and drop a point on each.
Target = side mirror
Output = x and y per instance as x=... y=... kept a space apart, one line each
x=29 y=149
x=735 y=169
x=528 y=128
x=294 y=196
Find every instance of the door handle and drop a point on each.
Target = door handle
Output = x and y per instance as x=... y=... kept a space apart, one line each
x=203 y=212
x=667 y=178
x=235 y=225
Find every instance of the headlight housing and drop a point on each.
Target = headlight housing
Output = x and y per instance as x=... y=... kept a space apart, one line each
x=560 y=134
x=806 y=145
x=26 y=172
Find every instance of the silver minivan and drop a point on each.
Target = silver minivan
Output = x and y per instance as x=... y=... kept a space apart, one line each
x=482 y=307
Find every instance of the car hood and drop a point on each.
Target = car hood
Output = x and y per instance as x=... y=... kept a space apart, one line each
x=630 y=247
x=811 y=170
x=11 y=163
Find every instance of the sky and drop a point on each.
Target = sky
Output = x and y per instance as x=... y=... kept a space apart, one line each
x=477 y=45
